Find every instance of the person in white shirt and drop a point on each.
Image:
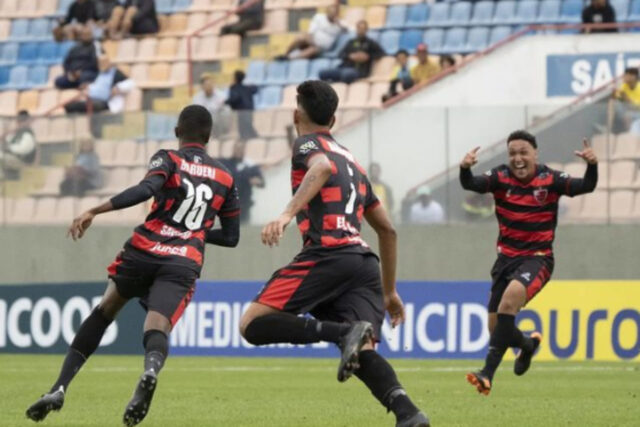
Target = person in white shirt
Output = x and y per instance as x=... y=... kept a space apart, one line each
x=324 y=30
x=425 y=210
x=213 y=100
x=18 y=148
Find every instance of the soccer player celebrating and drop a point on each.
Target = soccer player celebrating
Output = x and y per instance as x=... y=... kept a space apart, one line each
x=163 y=258
x=526 y=196
x=336 y=277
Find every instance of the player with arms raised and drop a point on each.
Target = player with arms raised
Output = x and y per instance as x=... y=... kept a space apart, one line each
x=336 y=277
x=163 y=258
x=526 y=196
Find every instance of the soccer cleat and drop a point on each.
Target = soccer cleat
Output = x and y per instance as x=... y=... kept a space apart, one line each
x=47 y=403
x=138 y=407
x=418 y=420
x=481 y=382
x=523 y=361
x=358 y=335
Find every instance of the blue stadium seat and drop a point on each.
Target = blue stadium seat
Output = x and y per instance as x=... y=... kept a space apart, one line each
x=64 y=48
x=277 y=73
x=439 y=15
x=527 y=12
x=622 y=9
x=499 y=33
x=396 y=16
x=19 y=29
x=160 y=126
x=634 y=13
x=571 y=11
x=434 y=38
x=505 y=12
x=256 y=72
x=298 y=71
x=337 y=47
x=9 y=53
x=455 y=40
x=48 y=53
x=417 y=16
x=549 y=12
x=28 y=52
x=40 y=29
x=17 y=77
x=482 y=13
x=269 y=97
x=477 y=39
x=180 y=5
x=390 y=41
x=318 y=65
x=374 y=35
x=38 y=75
x=4 y=75
x=63 y=7
x=164 y=6
x=460 y=13
x=410 y=39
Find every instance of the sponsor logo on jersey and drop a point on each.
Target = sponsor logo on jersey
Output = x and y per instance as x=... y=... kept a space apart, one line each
x=488 y=173
x=526 y=276
x=168 y=231
x=564 y=175
x=169 y=250
x=155 y=163
x=540 y=194
x=308 y=146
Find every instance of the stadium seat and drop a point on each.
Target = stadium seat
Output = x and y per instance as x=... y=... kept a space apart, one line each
x=229 y=47
x=376 y=16
x=477 y=39
x=180 y=5
x=64 y=48
x=623 y=174
x=499 y=33
x=51 y=187
x=4 y=74
x=439 y=15
x=460 y=13
x=595 y=207
x=298 y=71
x=341 y=89
x=28 y=52
x=277 y=73
x=63 y=7
x=176 y=24
x=9 y=53
x=38 y=75
x=164 y=6
x=8 y=102
x=196 y=21
x=28 y=100
x=275 y=22
x=256 y=72
x=18 y=77
x=526 y=12
x=482 y=13
x=5 y=28
x=505 y=12
x=40 y=29
x=410 y=39
x=455 y=40
x=549 y=12
x=417 y=16
x=263 y=120
x=627 y=146
x=374 y=35
x=158 y=75
x=352 y=15
x=622 y=9
x=47 y=100
x=26 y=8
x=48 y=53
x=375 y=94
x=23 y=211
x=390 y=41
x=269 y=97
x=318 y=65
x=335 y=50
x=178 y=75
x=434 y=38
x=127 y=50
x=571 y=11
x=146 y=49
x=382 y=68
x=621 y=205
x=20 y=29
x=634 y=12
x=166 y=49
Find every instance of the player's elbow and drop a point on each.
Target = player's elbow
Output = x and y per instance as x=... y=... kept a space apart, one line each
x=387 y=231
x=233 y=241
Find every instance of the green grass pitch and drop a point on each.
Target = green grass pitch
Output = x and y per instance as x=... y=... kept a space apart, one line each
x=228 y=392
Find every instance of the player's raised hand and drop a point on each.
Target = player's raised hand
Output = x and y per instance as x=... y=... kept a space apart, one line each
x=394 y=306
x=80 y=225
x=273 y=232
x=470 y=159
x=587 y=153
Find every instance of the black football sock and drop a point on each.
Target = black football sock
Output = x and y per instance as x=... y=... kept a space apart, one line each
x=380 y=378
x=505 y=335
x=156 y=349
x=84 y=344
x=287 y=328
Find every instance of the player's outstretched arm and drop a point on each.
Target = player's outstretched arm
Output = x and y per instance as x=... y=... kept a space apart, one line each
x=129 y=197
x=318 y=172
x=228 y=236
x=587 y=184
x=479 y=184
x=388 y=243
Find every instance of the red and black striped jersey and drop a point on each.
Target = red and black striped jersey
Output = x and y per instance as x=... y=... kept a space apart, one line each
x=197 y=188
x=333 y=217
x=528 y=212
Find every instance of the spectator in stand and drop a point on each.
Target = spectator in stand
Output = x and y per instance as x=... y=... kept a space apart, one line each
x=324 y=30
x=628 y=98
x=246 y=176
x=19 y=147
x=357 y=58
x=599 y=12
x=81 y=64
x=81 y=13
x=104 y=9
x=425 y=210
x=134 y=17
x=446 y=62
x=214 y=101
x=380 y=188
x=85 y=174
x=424 y=70
x=400 y=75
x=107 y=92
x=241 y=100
x=250 y=18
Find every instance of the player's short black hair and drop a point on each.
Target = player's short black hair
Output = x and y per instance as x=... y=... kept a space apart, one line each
x=632 y=71
x=238 y=76
x=524 y=135
x=319 y=101
x=194 y=124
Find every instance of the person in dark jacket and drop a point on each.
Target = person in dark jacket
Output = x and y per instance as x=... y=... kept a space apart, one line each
x=80 y=14
x=135 y=17
x=81 y=64
x=19 y=148
x=599 y=12
x=250 y=18
x=357 y=58
x=241 y=100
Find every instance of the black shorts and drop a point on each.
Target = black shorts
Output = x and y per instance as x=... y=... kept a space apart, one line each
x=532 y=271
x=165 y=288
x=335 y=286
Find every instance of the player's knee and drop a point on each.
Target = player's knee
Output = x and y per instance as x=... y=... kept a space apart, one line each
x=509 y=305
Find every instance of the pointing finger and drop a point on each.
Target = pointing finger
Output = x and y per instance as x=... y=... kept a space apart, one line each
x=585 y=142
x=475 y=150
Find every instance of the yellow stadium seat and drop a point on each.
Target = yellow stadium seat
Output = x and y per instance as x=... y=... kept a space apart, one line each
x=166 y=49
x=228 y=47
x=28 y=100
x=146 y=49
x=8 y=102
x=375 y=16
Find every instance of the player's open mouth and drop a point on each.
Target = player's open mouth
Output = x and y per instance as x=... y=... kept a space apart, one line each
x=520 y=166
